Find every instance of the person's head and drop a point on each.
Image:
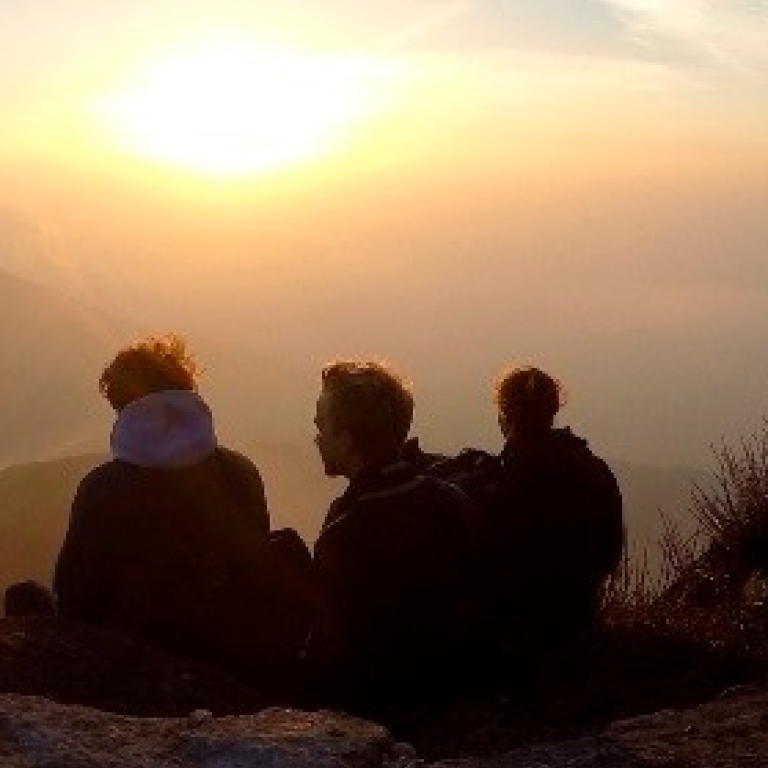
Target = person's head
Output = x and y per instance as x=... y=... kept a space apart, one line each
x=155 y=364
x=527 y=401
x=363 y=416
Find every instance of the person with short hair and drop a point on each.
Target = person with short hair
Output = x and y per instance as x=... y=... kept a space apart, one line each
x=392 y=551
x=170 y=541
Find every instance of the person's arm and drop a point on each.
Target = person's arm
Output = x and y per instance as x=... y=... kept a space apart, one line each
x=342 y=583
x=245 y=481
x=80 y=578
x=610 y=524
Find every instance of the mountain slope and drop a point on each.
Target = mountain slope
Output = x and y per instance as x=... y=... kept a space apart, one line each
x=52 y=350
x=34 y=510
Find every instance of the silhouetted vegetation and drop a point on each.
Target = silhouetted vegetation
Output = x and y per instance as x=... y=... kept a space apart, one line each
x=712 y=586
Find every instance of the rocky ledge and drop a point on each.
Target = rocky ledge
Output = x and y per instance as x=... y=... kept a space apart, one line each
x=38 y=732
x=728 y=732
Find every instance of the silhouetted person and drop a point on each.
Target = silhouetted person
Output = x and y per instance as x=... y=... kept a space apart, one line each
x=392 y=550
x=28 y=598
x=169 y=541
x=553 y=522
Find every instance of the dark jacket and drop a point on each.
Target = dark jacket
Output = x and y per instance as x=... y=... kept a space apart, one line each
x=552 y=530
x=419 y=459
x=556 y=533
x=390 y=558
x=180 y=557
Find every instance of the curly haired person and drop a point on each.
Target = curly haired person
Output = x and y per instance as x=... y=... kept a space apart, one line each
x=169 y=541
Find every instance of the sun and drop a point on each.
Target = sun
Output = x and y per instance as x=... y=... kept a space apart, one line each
x=237 y=108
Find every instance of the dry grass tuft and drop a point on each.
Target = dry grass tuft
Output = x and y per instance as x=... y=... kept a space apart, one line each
x=711 y=589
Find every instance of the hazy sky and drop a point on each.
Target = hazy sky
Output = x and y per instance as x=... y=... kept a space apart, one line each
x=581 y=183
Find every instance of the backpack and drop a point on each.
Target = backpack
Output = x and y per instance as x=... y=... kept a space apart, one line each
x=477 y=473
x=552 y=527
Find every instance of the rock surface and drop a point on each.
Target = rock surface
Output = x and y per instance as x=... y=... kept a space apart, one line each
x=729 y=732
x=37 y=732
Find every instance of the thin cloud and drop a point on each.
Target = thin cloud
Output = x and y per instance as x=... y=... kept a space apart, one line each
x=435 y=17
x=726 y=34
x=592 y=28
x=540 y=83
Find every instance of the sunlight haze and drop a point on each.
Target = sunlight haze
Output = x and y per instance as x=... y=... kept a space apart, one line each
x=449 y=184
x=233 y=107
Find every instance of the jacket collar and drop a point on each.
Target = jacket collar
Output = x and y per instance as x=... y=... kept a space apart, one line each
x=379 y=475
x=374 y=478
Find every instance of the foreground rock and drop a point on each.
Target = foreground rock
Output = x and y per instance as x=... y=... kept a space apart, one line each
x=38 y=732
x=729 y=732
x=726 y=733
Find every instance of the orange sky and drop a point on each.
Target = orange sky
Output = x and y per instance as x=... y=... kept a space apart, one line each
x=581 y=187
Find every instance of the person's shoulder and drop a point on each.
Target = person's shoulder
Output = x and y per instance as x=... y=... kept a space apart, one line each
x=104 y=476
x=422 y=511
x=235 y=456
x=603 y=468
x=241 y=476
x=237 y=460
x=590 y=468
x=566 y=449
x=579 y=450
x=102 y=487
x=409 y=498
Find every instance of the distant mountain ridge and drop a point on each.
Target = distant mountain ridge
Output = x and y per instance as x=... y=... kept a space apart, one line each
x=51 y=352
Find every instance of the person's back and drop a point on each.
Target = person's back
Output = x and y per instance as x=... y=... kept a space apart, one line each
x=392 y=565
x=556 y=534
x=169 y=542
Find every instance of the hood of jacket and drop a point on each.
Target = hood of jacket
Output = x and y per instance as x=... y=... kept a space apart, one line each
x=167 y=429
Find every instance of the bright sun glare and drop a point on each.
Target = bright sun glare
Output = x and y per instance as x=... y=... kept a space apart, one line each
x=235 y=108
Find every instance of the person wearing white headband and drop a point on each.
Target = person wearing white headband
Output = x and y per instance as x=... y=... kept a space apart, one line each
x=169 y=541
